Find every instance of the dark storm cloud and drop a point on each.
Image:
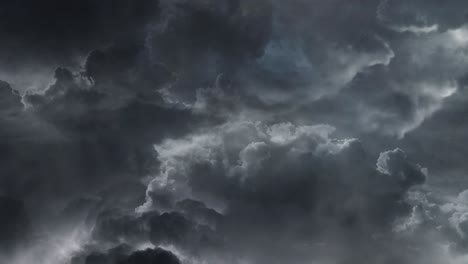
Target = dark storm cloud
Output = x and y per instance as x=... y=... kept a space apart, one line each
x=172 y=228
x=11 y=100
x=199 y=40
x=55 y=30
x=354 y=57
x=316 y=48
x=40 y=36
x=100 y=123
x=451 y=14
x=186 y=125
x=93 y=136
x=286 y=185
x=396 y=98
x=123 y=70
x=445 y=130
x=152 y=256
x=14 y=225
x=123 y=255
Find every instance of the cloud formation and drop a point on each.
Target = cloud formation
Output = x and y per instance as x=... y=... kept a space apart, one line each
x=233 y=131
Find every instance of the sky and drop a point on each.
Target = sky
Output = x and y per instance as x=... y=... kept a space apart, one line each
x=234 y=132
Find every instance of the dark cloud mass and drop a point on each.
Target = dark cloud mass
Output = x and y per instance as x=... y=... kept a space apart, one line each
x=233 y=132
x=59 y=28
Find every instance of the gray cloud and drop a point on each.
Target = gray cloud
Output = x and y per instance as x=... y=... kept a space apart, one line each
x=233 y=132
x=306 y=188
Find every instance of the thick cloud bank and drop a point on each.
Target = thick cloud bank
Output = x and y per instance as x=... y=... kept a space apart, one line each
x=233 y=131
x=289 y=188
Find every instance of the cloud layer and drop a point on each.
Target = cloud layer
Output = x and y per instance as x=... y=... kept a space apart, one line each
x=233 y=131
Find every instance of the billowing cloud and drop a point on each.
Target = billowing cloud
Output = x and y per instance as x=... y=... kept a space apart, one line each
x=233 y=131
x=300 y=185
